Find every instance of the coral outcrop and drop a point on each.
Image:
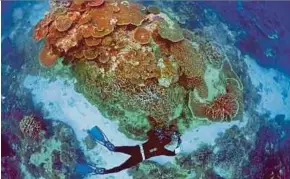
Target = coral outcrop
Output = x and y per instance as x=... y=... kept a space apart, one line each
x=135 y=62
x=55 y=156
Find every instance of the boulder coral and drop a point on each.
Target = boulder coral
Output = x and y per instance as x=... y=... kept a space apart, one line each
x=133 y=62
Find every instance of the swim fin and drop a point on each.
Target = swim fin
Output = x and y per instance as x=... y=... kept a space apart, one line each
x=98 y=135
x=85 y=169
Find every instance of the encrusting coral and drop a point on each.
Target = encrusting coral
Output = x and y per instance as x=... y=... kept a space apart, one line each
x=134 y=62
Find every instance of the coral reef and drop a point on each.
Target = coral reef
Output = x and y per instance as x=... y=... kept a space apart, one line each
x=134 y=62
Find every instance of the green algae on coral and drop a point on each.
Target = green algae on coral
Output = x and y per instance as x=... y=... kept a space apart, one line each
x=44 y=156
x=153 y=170
x=170 y=31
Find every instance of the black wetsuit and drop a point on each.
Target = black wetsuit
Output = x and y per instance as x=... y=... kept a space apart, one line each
x=153 y=147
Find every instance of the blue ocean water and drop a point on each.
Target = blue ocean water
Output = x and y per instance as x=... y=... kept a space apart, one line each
x=265 y=27
x=264 y=34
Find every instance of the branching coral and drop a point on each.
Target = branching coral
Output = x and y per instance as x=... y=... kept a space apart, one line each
x=212 y=54
x=32 y=127
x=224 y=107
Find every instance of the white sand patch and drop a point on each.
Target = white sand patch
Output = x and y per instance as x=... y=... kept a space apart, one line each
x=61 y=102
x=273 y=86
x=192 y=139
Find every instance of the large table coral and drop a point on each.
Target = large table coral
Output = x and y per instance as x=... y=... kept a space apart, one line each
x=140 y=67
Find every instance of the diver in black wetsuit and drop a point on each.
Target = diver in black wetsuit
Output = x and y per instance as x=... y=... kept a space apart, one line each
x=154 y=146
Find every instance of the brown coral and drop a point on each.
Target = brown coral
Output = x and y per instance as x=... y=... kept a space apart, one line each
x=142 y=35
x=90 y=53
x=189 y=82
x=63 y=23
x=47 y=57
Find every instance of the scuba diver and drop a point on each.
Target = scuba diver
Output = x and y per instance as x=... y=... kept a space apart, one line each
x=154 y=146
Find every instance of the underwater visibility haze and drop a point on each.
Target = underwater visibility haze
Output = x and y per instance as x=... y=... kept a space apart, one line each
x=145 y=89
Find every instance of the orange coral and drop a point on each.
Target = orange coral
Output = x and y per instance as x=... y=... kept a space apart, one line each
x=90 y=53
x=41 y=28
x=129 y=14
x=74 y=16
x=107 y=41
x=77 y=7
x=47 y=57
x=86 y=30
x=142 y=35
x=103 y=20
x=40 y=32
x=70 y=40
x=63 y=23
x=96 y=3
x=85 y=18
x=91 y=41
x=78 y=2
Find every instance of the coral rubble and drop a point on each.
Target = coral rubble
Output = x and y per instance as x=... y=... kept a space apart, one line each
x=135 y=62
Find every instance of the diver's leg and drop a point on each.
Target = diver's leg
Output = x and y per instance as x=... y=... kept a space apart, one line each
x=132 y=161
x=130 y=150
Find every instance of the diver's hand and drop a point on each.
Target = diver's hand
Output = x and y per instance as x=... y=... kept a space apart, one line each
x=177 y=150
